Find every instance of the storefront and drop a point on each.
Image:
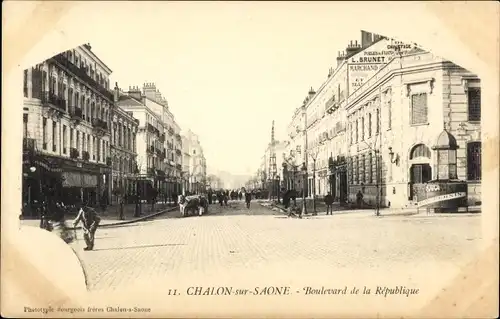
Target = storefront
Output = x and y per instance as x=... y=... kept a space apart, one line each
x=42 y=181
x=84 y=182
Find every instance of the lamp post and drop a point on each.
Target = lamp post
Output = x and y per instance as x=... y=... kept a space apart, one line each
x=314 y=156
x=279 y=188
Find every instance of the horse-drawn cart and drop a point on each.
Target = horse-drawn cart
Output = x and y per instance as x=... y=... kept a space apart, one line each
x=193 y=205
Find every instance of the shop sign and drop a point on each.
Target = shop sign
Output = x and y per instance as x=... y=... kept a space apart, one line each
x=441 y=198
x=365 y=64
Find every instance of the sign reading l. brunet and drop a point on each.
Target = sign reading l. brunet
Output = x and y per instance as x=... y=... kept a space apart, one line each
x=366 y=63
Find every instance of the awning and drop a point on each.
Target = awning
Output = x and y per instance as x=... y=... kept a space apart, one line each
x=74 y=179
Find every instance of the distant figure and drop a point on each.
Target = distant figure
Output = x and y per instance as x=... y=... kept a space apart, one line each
x=220 y=197
x=359 y=199
x=248 y=199
x=240 y=195
x=226 y=197
x=90 y=221
x=329 y=202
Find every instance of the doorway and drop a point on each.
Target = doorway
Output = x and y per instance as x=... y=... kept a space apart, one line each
x=419 y=174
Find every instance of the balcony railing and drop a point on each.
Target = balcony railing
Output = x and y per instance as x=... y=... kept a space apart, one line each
x=73 y=153
x=82 y=74
x=51 y=99
x=76 y=113
x=99 y=124
x=29 y=144
x=85 y=155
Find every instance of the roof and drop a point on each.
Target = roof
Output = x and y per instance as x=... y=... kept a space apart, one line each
x=128 y=100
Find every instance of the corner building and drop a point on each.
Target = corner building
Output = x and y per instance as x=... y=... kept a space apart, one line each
x=66 y=121
x=397 y=119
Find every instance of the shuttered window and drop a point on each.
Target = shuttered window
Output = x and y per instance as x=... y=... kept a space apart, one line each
x=474 y=103
x=362 y=169
x=474 y=161
x=419 y=109
x=25 y=83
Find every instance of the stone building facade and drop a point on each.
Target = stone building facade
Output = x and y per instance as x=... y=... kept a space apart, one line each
x=373 y=123
x=196 y=176
x=67 y=114
x=395 y=120
x=124 y=129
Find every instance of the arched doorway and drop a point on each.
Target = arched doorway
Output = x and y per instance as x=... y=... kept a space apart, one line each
x=420 y=167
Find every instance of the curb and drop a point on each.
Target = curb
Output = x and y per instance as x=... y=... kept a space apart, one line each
x=125 y=222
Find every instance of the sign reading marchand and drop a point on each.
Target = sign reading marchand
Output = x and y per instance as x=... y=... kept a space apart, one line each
x=366 y=63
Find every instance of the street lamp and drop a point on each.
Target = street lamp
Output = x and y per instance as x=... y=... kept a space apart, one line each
x=314 y=156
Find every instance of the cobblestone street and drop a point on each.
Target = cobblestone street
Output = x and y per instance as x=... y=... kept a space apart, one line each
x=236 y=241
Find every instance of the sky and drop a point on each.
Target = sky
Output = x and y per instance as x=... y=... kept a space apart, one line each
x=227 y=69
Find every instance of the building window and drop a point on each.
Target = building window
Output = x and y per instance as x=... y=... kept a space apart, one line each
x=25 y=125
x=474 y=103
x=363 y=128
x=77 y=141
x=25 y=84
x=357 y=132
x=419 y=109
x=54 y=136
x=474 y=161
x=420 y=150
x=93 y=148
x=64 y=138
x=44 y=133
x=362 y=168
x=356 y=170
x=370 y=168
x=369 y=125
x=88 y=144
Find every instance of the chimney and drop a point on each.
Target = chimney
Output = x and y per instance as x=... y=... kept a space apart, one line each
x=117 y=92
x=340 y=58
x=377 y=37
x=149 y=90
x=366 y=39
x=311 y=93
x=352 y=49
x=135 y=93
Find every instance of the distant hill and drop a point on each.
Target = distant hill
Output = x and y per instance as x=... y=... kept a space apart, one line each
x=231 y=181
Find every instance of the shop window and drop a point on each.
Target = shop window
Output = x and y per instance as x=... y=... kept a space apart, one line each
x=419 y=109
x=474 y=103
x=474 y=161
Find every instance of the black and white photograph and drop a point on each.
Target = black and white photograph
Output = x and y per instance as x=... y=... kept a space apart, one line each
x=250 y=159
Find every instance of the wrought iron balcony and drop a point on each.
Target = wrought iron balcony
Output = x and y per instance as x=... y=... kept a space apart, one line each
x=99 y=124
x=52 y=100
x=73 y=153
x=85 y=155
x=76 y=113
x=29 y=144
x=61 y=60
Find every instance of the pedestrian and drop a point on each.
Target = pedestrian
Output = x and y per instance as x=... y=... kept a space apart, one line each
x=220 y=197
x=122 y=202
x=226 y=197
x=359 y=199
x=90 y=221
x=248 y=199
x=329 y=202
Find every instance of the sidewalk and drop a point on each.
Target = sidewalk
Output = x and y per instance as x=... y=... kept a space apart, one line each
x=110 y=217
x=383 y=212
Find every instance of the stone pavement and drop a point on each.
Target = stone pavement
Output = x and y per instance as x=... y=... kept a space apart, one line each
x=214 y=244
x=111 y=216
x=383 y=212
